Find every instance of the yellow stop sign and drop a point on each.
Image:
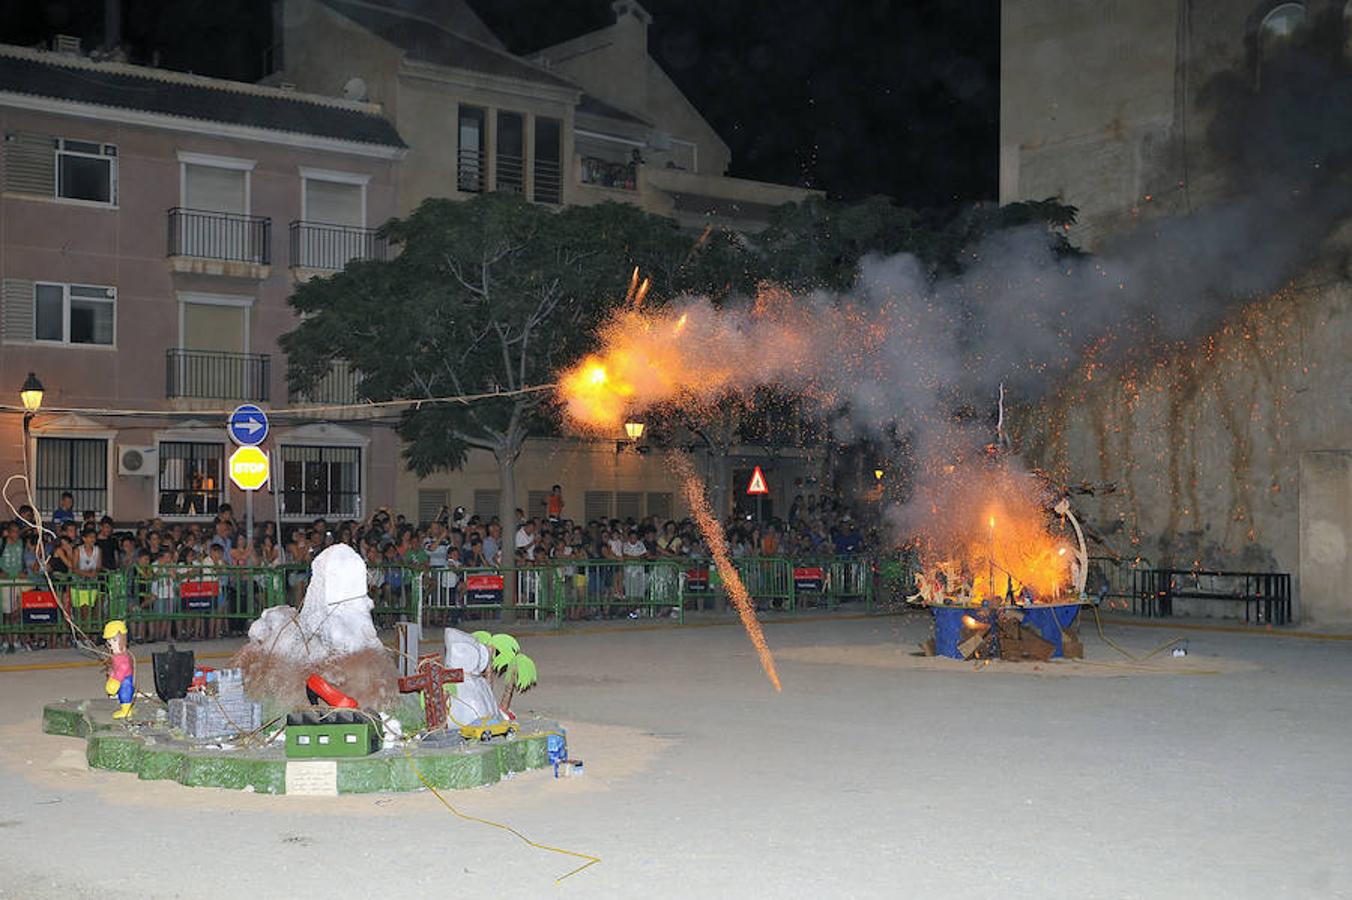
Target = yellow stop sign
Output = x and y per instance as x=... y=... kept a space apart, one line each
x=249 y=468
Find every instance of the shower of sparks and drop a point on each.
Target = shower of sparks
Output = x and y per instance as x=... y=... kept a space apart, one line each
x=718 y=549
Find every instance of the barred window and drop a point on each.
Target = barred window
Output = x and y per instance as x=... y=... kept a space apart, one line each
x=77 y=465
x=596 y=505
x=321 y=481
x=486 y=503
x=191 y=478
x=659 y=505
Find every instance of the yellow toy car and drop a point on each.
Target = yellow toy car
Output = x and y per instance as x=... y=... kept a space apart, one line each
x=486 y=731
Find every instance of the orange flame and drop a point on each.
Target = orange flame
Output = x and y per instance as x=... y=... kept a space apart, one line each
x=979 y=561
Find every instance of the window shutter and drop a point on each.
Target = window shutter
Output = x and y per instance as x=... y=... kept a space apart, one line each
x=628 y=505
x=430 y=503
x=659 y=505
x=596 y=505
x=17 y=323
x=535 y=504
x=486 y=503
x=30 y=163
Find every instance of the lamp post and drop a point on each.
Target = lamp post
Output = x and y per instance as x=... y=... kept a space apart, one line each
x=634 y=430
x=31 y=396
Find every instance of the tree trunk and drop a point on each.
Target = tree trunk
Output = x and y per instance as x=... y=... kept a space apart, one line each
x=506 y=460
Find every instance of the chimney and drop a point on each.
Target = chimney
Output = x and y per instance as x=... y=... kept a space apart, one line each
x=112 y=24
x=633 y=20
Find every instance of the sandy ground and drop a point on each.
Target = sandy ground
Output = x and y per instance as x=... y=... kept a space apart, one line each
x=874 y=774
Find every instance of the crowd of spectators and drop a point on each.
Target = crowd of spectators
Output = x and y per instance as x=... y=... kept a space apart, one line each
x=154 y=556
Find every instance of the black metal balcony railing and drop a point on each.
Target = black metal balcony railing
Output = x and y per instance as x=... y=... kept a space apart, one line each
x=605 y=173
x=218 y=235
x=316 y=245
x=470 y=170
x=339 y=386
x=511 y=174
x=548 y=181
x=216 y=375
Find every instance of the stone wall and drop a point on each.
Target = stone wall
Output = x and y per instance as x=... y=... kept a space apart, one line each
x=1194 y=457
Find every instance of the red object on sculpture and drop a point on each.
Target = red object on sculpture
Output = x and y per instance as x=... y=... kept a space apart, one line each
x=330 y=694
x=429 y=678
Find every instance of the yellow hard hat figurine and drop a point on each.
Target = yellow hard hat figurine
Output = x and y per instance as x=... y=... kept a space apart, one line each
x=120 y=683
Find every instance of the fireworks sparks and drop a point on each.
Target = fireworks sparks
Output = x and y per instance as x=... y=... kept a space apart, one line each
x=718 y=549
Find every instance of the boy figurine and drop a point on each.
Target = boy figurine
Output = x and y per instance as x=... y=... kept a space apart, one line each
x=120 y=681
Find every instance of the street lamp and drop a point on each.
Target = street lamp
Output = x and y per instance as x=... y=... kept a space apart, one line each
x=634 y=430
x=31 y=395
x=878 y=474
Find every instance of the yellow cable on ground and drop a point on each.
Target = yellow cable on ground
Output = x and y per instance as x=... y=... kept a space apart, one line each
x=1136 y=659
x=590 y=860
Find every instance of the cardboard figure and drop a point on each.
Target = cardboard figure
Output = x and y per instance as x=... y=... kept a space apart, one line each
x=120 y=683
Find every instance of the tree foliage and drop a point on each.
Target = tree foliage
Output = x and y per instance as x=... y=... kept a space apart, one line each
x=493 y=294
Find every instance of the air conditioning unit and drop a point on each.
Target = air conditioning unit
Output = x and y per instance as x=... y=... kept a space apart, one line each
x=138 y=460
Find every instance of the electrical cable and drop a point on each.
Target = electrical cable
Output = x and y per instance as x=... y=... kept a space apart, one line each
x=300 y=411
x=590 y=859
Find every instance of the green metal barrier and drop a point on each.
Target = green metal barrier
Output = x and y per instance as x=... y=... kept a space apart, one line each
x=32 y=615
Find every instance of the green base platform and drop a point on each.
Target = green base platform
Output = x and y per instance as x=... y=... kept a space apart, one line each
x=147 y=748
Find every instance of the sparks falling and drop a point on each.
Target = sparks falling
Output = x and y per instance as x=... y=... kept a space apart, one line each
x=718 y=549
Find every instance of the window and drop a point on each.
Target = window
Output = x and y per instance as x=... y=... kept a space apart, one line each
x=191 y=478
x=659 y=505
x=596 y=505
x=470 y=153
x=548 y=153
x=511 y=152
x=77 y=465
x=1277 y=29
x=536 y=507
x=86 y=171
x=74 y=313
x=430 y=503
x=486 y=503
x=321 y=481
x=628 y=505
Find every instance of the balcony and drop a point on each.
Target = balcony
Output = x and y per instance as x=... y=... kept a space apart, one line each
x=470 y=170
x=604 y=173
x=217 y=243
x=548 y=186
x=316 y=245
x=216 y=375
x=338 y=387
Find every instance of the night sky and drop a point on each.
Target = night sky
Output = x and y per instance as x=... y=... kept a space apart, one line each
x=896 y=97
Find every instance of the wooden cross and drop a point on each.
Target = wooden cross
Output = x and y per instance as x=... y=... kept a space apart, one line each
x=428 y=678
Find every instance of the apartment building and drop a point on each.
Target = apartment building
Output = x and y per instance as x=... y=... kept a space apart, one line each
x=586 y=121
x=152 y=226
x=591 y=120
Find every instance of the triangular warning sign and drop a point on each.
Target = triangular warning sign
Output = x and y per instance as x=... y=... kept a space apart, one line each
x=757 y=485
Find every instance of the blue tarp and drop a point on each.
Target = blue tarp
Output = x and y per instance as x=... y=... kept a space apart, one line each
x=1048 y=621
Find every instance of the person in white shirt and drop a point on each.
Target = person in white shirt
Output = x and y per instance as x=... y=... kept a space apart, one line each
x=635 y=578
x=526 y=540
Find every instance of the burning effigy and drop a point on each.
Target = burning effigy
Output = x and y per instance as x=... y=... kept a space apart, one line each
x=1002 y=562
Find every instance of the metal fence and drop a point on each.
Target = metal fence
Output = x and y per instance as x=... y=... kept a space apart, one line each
x=186 y=602
x=316 y=245
x=218 y=235
x=217 y=375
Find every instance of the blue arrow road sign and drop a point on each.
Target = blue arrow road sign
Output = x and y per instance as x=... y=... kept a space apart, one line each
x=248 y=425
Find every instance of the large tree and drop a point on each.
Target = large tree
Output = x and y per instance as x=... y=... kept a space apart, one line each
x=488 y=295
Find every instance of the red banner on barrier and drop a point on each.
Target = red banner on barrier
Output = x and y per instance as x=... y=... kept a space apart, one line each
x=483 y=588
x=198 y=595
x=697 y=580
x=39 y=607
x=807 y=578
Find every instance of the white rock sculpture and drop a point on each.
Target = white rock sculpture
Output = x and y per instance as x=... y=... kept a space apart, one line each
x=473 y=698
x=335 y=619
